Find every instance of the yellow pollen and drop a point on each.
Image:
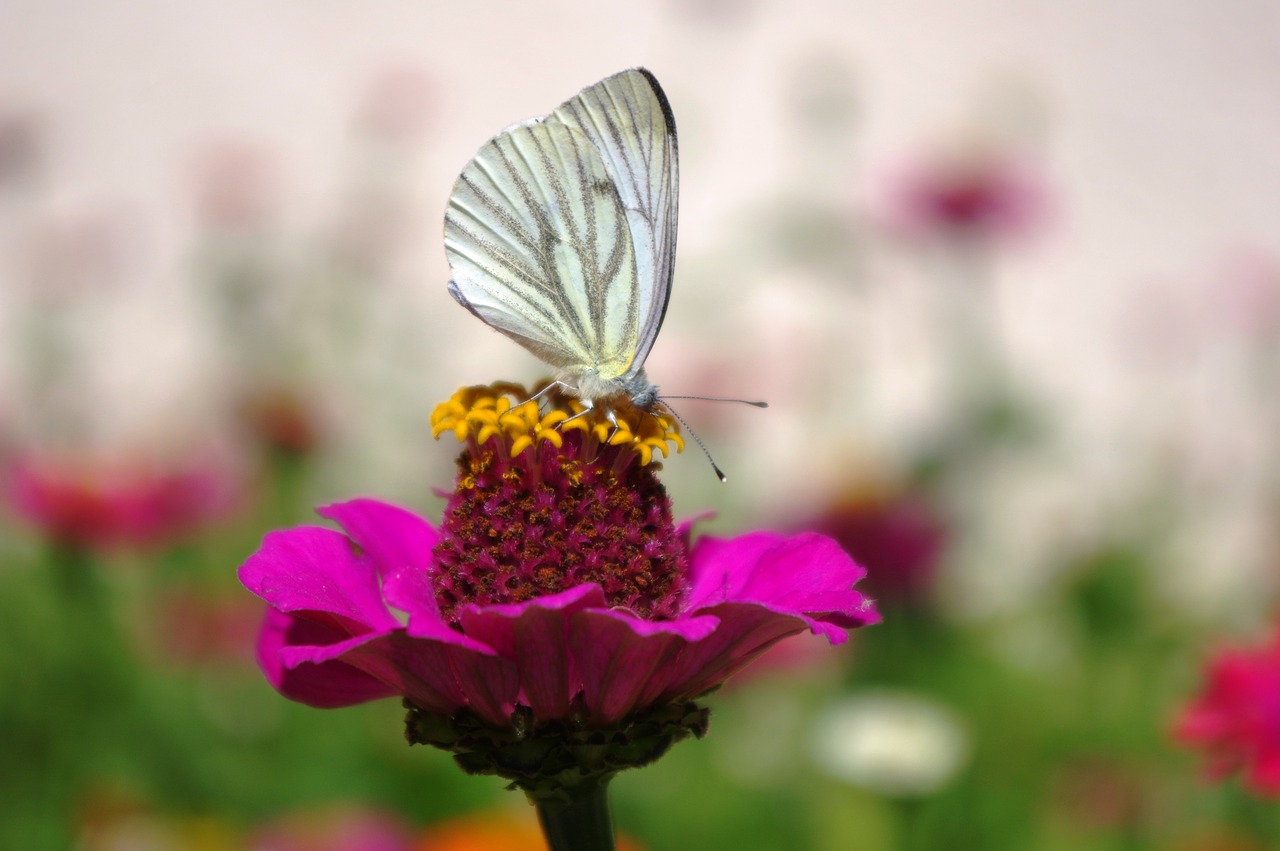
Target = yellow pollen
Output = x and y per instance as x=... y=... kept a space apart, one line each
x=505 y=411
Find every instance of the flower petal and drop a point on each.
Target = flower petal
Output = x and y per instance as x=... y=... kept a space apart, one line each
x=623 y=662
x=393 y=537
x=400 y=543
x=313 y=663
x=327 y=685
x=317 y=570
x=442 y=677
x=746 y=630
x=410 y=590
x=535 y=635
x=764 y=567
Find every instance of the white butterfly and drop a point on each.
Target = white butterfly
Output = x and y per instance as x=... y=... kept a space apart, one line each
x=561 y=234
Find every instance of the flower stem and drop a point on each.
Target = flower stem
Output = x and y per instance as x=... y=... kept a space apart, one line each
x=577 y=819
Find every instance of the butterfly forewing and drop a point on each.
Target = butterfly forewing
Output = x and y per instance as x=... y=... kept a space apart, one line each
x=541 y=249
x=561 y=233
x=628 y=120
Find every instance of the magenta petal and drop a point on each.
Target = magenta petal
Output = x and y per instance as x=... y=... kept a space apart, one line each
x=621 y=659
x=409 y=589
x=746 y=630
x=807 y=575
x=586 y=596
x=535 y=635
x=435 y=629
x=328 y=685
x=392 y=536
x=442 y=677
x=314 y=569
x=827 y=591
x=338 y=647
x=317 y=664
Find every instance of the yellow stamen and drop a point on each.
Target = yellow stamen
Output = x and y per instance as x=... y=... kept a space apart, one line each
x=503 y=411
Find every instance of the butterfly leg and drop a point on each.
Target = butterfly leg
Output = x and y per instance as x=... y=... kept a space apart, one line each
x=536 y=396
x=587 y=408
x=613 y=418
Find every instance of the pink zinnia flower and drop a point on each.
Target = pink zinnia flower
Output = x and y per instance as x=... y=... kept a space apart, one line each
x=556 y=598
x=981 y=194
x=93 y=504
x=1236 y=717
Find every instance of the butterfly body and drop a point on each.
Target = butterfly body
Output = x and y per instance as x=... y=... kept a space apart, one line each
x=560 y=233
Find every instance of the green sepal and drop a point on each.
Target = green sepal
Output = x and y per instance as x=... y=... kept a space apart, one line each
x=545 y=759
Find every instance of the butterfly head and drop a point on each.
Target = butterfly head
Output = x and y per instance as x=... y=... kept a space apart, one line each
x=643 y=393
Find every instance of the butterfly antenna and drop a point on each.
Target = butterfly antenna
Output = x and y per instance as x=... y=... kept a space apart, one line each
x=750 y=402
x=663 y=401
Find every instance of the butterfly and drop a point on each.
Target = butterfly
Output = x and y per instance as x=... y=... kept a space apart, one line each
x=561 y=234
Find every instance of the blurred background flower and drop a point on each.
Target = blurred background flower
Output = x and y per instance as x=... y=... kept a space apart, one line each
x=495 y=830
x=894 y=743
x=103 y=504
x=1235 y=719
x=974 y=193
x=334 y=828
x=897 y=536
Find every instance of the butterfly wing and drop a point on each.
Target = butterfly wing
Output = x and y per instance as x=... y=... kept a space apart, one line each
x=561 y=231
x=629 y=121
x=539 y=246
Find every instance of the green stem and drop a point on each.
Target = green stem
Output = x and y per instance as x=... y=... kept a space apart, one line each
x=74 y=574
x=577 y=819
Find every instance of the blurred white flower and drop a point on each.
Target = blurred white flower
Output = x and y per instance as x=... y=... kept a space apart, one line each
x=892 y=742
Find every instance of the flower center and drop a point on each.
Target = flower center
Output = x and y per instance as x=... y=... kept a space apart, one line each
x=548 y=501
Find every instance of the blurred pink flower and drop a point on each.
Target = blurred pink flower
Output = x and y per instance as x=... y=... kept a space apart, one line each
x=982 y=195
x=1235 y=719
x=397 y=104
x=105 y=505
x=898 y=537
x=558 y=585
x=1249 y=289
x=112 y=819
x=236 y=185
x=193 y=628
x=341 y=828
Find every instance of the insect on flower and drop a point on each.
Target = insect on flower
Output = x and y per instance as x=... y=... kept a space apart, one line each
x=561 y=234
